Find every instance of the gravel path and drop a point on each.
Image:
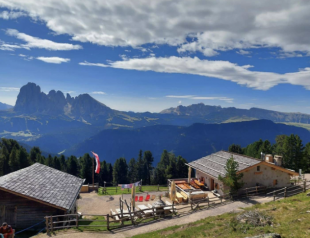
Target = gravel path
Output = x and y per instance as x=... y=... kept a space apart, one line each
x=158 y=225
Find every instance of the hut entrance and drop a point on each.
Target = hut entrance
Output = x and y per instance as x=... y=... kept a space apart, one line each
x=8 y=214
x=211 y=184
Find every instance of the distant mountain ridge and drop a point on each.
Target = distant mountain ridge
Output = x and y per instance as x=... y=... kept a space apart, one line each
x=219 y=114
x=4 y=106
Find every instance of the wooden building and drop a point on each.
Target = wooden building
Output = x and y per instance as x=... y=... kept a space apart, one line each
x=30 y=194
x=267 y=172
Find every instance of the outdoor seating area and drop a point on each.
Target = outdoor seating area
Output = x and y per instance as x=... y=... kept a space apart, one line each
x=192 y=190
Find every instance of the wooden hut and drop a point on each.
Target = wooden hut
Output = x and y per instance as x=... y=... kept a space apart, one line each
x=30 y=194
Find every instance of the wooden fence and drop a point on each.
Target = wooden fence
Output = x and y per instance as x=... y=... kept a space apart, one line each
x=106 y=190
x=132 y=218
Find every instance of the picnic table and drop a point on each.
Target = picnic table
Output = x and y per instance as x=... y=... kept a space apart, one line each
x=146 y=212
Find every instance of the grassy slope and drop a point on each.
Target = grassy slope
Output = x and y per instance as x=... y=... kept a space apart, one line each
x=303 y=125
x=290 y=220
x=112 y=190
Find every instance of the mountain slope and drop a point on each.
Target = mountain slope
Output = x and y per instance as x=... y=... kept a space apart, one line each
x=191 y=142
x=4 y=106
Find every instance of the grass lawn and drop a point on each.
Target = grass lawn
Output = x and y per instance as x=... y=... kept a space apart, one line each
x=112 y=190
x=290 y=219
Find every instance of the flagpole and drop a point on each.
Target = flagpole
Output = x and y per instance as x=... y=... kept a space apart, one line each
x=93 y=172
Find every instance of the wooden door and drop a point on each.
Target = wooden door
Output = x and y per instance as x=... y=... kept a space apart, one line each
x=10 y=215
x=211 y=184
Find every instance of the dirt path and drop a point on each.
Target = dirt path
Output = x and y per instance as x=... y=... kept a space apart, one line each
x=158 y=225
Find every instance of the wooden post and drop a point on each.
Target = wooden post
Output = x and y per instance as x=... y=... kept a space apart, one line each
x=173 y=207
x=285 y=192
x=116 y=189
x=77 y=220
x=256 y=190
x=274 y=195
x=221 y=198
x=208 y=202
x=47 y=225
x=158 y=187
x=246 y=191
x=305 y=185
x=108 y=222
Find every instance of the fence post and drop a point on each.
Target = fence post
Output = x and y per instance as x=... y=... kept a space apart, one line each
x=208 y=202
x=285 y=192
x=47 y=226
x=108 y=222
x=158 y=187
x=173 y=207
x=153 y=212
x=77 y=220
x=221 y=198
x=305 y=185
x=256 y=190
x=274 y=195
x=246 y=191
x=52 y=225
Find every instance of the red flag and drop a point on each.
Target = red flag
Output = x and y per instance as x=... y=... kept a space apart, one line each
x=97 y=170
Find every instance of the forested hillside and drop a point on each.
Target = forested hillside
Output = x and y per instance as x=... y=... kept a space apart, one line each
x=14 y=157
x=191 y=142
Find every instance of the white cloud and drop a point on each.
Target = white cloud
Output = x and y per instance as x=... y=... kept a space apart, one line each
x=179 y=96
x=243 y=52
x=230 y=100
x=85 y=63
x=98 y=92
x=180 y=102
x=8 y=47
x=9 y=89
x=53 y=60
x=11 y=15
x=34 y=42
x=215 y=69
x=214 y=26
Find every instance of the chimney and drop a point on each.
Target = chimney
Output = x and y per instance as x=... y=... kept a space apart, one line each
x=278 y=160
x=269 y=158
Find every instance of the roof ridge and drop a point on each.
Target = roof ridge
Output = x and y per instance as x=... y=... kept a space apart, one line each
x=239 y=155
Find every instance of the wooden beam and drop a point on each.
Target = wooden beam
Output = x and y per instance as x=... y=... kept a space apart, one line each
x=33 y=199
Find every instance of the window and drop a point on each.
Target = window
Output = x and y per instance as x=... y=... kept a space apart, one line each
x=258 y=168
x=275 y=182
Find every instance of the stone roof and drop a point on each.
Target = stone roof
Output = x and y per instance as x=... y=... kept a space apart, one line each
x=214 y=164
x=43 y=183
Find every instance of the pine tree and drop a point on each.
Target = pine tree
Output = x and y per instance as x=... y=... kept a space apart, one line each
x=140 y=167
x=13 y=161
x=57 y=163
x=231 y=178
x=86 y=166
x=235 y=149
x=181 y=167
x=73 y=166
x=120 y=171
x=63 y=164
x=23 y=158
x=132 y=171
x=50 y=161
x=148 y=165
x=35 y=155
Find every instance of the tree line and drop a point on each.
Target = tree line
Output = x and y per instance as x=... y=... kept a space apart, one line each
x=14 y=157
x=295 y=155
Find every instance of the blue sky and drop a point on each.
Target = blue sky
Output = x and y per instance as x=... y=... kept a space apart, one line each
x=142 y=56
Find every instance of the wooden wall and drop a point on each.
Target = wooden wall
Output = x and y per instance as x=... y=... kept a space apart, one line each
x=22 y=213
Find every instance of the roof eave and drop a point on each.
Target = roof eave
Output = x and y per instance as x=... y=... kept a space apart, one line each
x=77 y=194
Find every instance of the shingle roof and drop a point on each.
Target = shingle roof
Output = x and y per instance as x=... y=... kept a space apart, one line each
x=45 y=184
x=214 y=164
